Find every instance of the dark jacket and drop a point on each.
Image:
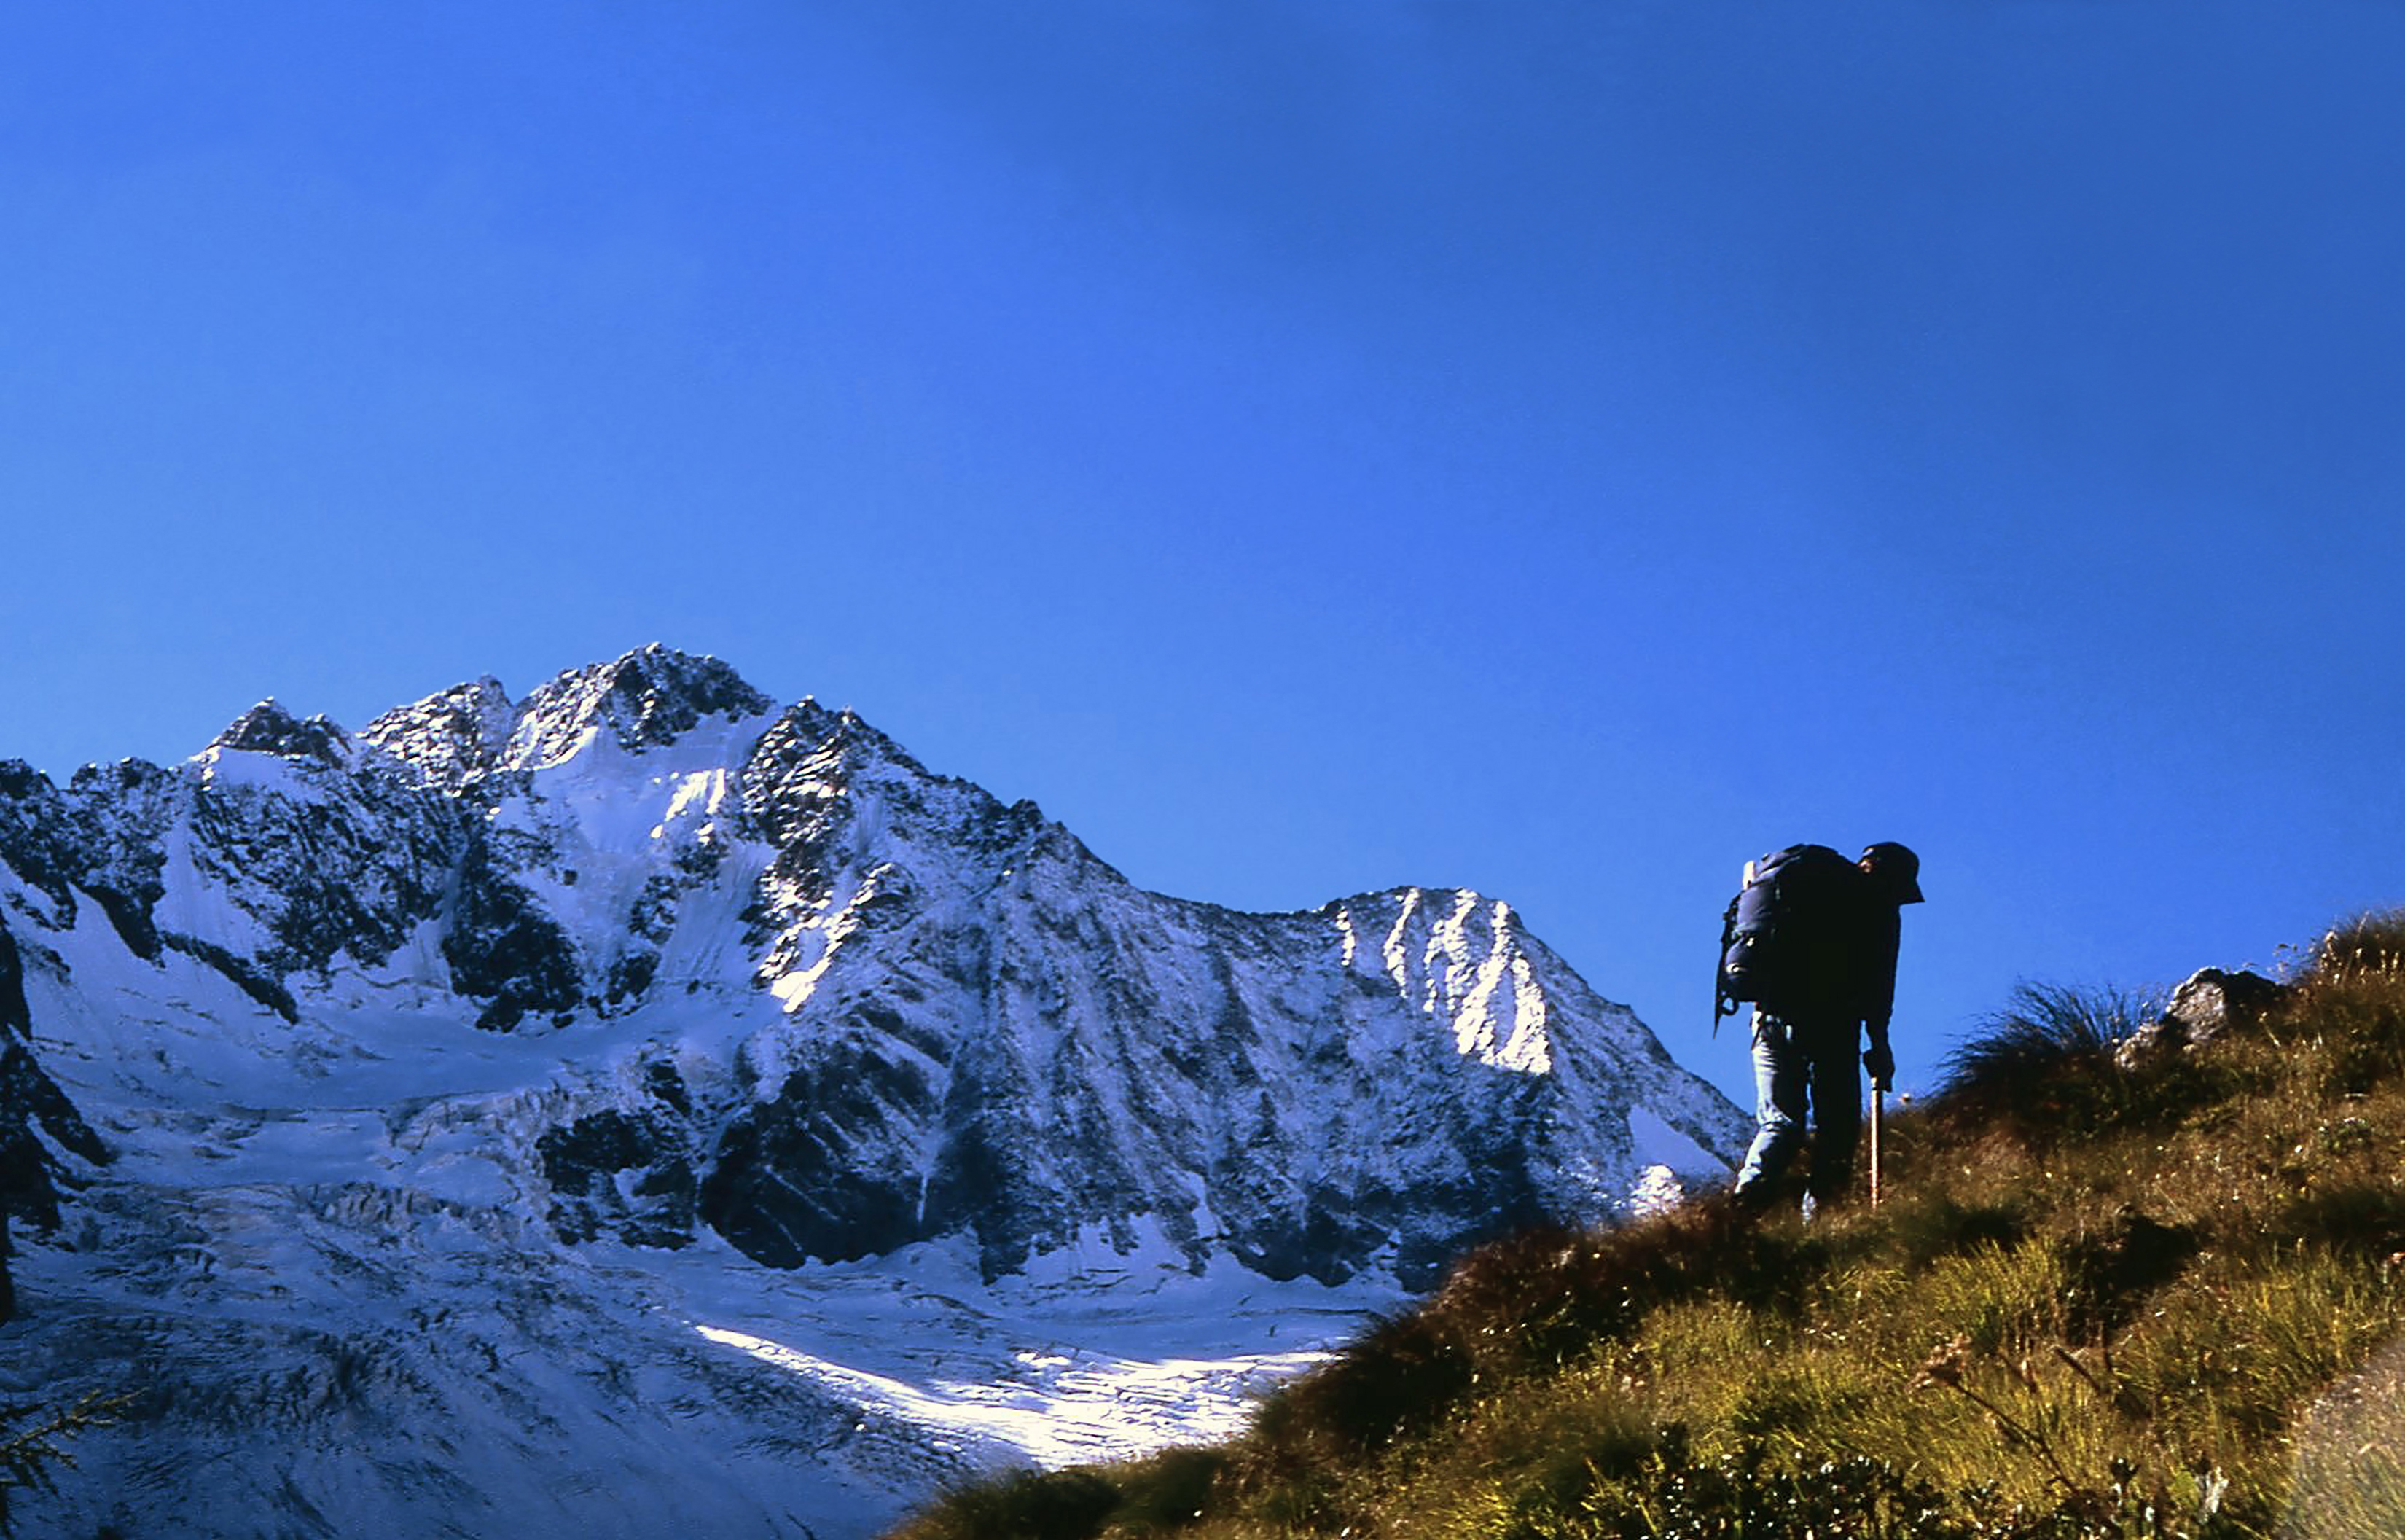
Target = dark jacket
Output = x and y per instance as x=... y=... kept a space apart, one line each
x=1878 y=932
x=1854 y=933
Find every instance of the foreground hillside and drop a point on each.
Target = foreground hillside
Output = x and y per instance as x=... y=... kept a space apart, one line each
x=2156 y=1296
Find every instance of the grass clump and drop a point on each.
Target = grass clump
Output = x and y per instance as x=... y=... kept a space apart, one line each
x=2045 y=1029
x=2353 y=990
x=2162 y=1298
x=2042 y=1066
x=1068 y=1504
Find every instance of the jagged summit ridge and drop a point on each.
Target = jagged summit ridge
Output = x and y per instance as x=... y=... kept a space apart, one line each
x=269 y=728
x=647 y=698
x=450 y=738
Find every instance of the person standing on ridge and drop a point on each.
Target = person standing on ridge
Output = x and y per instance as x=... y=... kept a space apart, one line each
x=1811 y=943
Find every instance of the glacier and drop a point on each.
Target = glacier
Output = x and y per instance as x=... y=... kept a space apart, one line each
x=642 y=1103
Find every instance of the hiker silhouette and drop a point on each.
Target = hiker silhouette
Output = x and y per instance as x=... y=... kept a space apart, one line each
x=1811 y=943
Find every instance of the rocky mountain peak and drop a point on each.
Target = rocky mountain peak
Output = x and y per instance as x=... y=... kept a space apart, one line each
x=649 y=697
x=269 y=728
x=935 y=1015
x=450 y=738
x=809 y=744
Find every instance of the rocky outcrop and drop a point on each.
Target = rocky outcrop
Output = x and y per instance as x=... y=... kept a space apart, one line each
x=31 y=1106
x=449 y=739
x=269 y=728
x=645 y=700
x=2207 y=1002
x=624 y=1173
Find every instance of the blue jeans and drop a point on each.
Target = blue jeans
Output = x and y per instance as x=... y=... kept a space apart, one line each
x=1800 y=1067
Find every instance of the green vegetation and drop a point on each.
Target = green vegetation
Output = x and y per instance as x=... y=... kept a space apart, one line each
x=2164 y=1300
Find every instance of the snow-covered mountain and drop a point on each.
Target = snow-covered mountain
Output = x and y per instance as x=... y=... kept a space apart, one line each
x=639 y=1103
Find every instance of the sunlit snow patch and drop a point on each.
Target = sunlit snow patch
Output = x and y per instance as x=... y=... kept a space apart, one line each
x=1055 y=1409
x=1657 y=1190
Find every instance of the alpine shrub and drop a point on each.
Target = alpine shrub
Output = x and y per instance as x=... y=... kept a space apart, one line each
x=2108 y=1275
x=1932 y=1223
x=1072 y=1505
x=2352 y=994
x=2369 y=947
x=1167 y=1490
x=2045 y=1026
x=1401 y=1379
x=1558 y=1291
x=2045 y=1062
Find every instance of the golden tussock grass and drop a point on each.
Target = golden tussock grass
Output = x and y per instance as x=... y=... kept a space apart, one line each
x=2164 y=1300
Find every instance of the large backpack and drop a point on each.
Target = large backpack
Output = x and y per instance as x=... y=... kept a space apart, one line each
x=1784 y=941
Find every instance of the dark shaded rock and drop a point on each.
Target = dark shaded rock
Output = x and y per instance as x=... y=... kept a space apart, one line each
x=630 y=975
x=122 y=812
x=1438 y=1220
x=981 y=1183
x=38 y=840
x=2109 y=1274
x=261 y=985
x=450 y=739
x=328 y=859
x=128 y=914
x=1337 y=1224
x=28 y=1095
x=1329 y=1239
x=591 y=1145
x=827 y=1167
x=653 y=915
x=650 y=921
x=29 y=1178
x=665 y=1086
x=502 y=947
x=30 y=1175
x=16 y=1017
x=269 y=728
x=803 y=766
x=799 y=786
x=344 y=866
x=797 y=794
x=583 y=1163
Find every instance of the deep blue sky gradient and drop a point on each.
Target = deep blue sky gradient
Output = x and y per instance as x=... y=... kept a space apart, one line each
x=1562 y=448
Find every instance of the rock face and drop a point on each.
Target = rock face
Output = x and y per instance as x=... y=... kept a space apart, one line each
x=42 y=1135
x=2206 y=1002
x=645 y=965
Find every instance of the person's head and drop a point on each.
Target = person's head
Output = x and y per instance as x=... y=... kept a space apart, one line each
x=1896 y=869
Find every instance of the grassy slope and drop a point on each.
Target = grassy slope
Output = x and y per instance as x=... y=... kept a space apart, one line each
x=2096 y=1302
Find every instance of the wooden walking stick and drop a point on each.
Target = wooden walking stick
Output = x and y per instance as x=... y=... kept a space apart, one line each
x=1878 y=1116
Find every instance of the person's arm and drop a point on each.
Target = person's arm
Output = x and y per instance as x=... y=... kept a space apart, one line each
x=1885 y=936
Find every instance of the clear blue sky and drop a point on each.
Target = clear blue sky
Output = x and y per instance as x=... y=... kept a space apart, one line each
x=1559 y=448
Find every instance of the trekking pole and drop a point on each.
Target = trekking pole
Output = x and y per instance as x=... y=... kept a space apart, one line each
x=1878 y=1116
